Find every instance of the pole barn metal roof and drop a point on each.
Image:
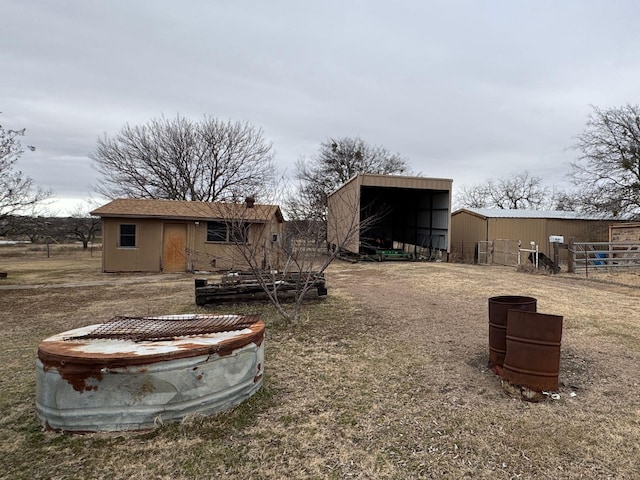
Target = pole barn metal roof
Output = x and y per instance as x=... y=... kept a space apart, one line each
x=550 y=214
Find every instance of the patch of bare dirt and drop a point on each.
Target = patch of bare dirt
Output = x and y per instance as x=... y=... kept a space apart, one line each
x=443 y=309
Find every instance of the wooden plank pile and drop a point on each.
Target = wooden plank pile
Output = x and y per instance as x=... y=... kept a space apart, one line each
x=239 y=286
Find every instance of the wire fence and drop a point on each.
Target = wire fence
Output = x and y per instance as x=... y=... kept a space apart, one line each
x=19 y=249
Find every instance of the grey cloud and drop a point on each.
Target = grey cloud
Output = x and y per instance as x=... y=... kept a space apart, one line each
x=466 y=90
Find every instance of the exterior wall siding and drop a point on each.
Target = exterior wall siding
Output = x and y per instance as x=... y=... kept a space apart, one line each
x=524 y=230
x=200 y=254
x=468 y=229
x=227 y=256
x=579 y=230
x=343 y=216
x=144 y=257
x=421 y=183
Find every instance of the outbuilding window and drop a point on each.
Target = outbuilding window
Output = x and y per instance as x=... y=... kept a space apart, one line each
x=237 y=232
x=240 y=232
x=216 y=232
x=127 y=235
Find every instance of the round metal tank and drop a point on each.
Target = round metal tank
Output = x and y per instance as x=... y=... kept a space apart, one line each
x=533 y=350
x=498 y=308
x=137 y=373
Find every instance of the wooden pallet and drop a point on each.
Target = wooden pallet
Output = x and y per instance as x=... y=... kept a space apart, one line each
x=249 y=286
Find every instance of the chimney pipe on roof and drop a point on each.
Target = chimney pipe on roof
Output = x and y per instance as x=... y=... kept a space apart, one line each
x=249 y=202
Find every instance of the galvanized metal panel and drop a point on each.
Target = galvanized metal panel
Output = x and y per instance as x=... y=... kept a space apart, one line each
x=466 y=231
x=401 y=181
x=544 y=214
x=440 y=219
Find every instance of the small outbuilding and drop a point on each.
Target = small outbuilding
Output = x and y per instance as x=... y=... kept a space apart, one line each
x=374 y=212
x=473 y=230
x=143 y=235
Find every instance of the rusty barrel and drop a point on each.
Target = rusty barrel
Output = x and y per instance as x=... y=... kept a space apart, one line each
x=533 y=350
x=498 y=308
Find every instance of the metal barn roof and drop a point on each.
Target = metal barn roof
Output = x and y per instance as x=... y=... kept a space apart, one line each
x=551 y=214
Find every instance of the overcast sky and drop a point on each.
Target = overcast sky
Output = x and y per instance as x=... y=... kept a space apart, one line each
x=467 y=90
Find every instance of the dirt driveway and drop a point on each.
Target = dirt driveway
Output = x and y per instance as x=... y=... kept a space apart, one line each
x=441 y=310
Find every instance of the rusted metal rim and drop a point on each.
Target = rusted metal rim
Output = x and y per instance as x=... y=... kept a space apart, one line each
x=86 y=384
x=167 y=327
x=74 y=347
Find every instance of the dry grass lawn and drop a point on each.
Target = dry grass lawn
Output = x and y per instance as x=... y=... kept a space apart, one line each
x=386 y=379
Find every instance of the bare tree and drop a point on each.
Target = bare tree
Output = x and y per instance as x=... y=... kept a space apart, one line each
x=336 y=162
x=17 y=191
x=473 y=196
x=179 y=159
x=33 y=226
x=287 y=269
x=303 y=260
x=519 y=191
x=607 y=173
x=567 y=200
x=84 y=226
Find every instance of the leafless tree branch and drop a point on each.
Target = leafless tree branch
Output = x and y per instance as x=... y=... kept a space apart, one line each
x=519 y=191
x=180 y=159
x=607 y=172
x=18 y=192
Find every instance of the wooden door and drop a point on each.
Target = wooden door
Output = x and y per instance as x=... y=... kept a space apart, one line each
x=174 y=247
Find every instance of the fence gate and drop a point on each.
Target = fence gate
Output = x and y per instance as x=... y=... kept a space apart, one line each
x=604 y=255
x=484 y=253
x=505 y=252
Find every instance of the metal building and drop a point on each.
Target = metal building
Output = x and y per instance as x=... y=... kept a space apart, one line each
x=374 y=212
x=473 y=229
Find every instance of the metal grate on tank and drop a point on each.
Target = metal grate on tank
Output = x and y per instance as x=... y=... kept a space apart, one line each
x=138 y=329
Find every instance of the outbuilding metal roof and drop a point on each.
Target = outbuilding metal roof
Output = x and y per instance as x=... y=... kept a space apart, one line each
x=518 y=213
